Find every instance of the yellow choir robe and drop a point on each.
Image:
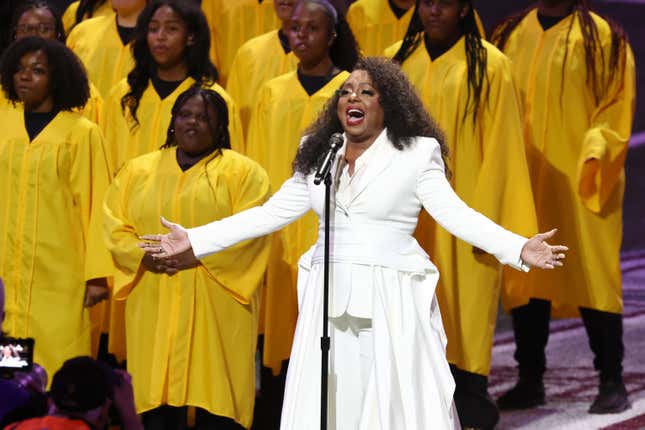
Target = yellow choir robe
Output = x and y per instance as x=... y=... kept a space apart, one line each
x=97 y=43
x=258 y=60
x=375 y=26
x=125 y=141
x=234 y=22
x=490 y=173
x=91 y=111
x=69 y=17
x=191 y=336
x=564 y=126
x=282 y=112
x=50 y=231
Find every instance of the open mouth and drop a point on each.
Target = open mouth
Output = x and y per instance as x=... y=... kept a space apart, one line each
x=354 y=116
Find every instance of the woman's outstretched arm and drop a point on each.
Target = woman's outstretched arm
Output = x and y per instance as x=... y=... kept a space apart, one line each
x=440 y=200
x=288 y=204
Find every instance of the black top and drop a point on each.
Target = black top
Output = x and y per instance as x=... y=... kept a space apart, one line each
x=164 y=88
x=312 y=84
x=435 y=51
x=35 y=122
x=125 y=33
x=399 y=12
x=186 y=161
x=284 y=41
x=549 y=21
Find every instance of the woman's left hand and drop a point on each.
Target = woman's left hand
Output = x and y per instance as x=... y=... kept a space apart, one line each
x=538 y=253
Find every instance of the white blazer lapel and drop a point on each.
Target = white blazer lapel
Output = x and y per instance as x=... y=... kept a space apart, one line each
x=380 y=160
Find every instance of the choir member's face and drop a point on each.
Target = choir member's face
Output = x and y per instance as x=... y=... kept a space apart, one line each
x=310 y=37
x=31 y=81
x=359 y=108
x=36 y=22
x=284 y=9
x=168 y=37
x=192 y=130
x=441 y=19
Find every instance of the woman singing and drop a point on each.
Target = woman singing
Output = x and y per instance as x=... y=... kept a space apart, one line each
x=388 y=365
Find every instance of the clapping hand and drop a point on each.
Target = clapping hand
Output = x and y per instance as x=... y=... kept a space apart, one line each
x=538 y=253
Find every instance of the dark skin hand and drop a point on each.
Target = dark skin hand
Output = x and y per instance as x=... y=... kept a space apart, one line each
x=96 y=290
x=170 y=265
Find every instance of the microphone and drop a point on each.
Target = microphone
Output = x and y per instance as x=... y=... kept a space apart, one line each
x=335 y=143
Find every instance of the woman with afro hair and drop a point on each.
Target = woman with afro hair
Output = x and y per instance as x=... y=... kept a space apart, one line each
x=53 y=172
x=388 y=367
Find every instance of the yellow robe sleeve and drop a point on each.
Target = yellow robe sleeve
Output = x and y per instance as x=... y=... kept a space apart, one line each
x=92 y=109
x=605 y=143
x=235 y=129
x=120 y=235
x=114 y=126
x=240 y=268
x=257 y=146
x=91 y=163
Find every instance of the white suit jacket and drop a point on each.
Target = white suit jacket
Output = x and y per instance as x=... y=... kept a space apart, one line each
x=376 y=226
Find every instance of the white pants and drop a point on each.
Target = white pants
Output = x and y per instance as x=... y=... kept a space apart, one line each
x=351 y=358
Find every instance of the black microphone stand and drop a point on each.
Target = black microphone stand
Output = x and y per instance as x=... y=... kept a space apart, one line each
x=324 y=174
x=325 y=340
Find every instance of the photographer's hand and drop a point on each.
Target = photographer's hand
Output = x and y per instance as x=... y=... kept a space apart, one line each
x=123 y=398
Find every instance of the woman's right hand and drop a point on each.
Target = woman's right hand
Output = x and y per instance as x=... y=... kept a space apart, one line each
x=161 y=246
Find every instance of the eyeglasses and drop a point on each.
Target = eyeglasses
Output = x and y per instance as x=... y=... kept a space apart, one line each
x=41 y=29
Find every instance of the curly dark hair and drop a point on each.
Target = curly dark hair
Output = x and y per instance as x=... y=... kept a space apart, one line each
x=221 y=136
x=404 y=116
x=476 y=54
x=343 y=52
x=596 y=79
x=68 y=82
x=86 y=8
x=200 y=67
x=38 y=4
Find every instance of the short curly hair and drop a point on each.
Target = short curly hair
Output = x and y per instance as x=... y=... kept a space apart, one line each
x=68 y=82
x=404 y=116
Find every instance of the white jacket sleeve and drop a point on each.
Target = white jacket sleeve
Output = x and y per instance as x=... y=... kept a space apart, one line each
x=288 y=204
x=443 y=204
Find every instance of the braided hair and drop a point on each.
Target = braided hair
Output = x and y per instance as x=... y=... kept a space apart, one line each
x=476 y=54
x=597 y=80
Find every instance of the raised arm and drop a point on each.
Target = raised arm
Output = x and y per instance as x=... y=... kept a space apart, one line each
x=439 y=199
x=288 y=204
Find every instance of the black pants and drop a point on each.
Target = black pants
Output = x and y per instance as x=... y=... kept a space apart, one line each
x=531 y=330
x=176 y=418
x=474 y=405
